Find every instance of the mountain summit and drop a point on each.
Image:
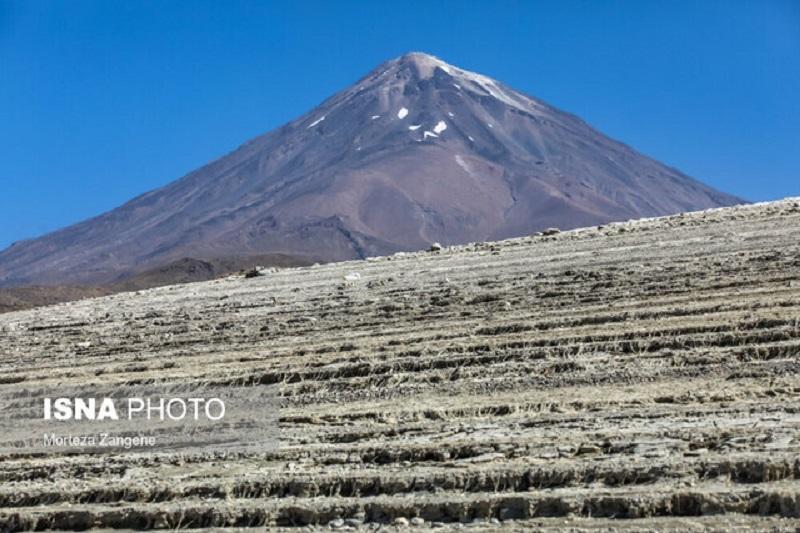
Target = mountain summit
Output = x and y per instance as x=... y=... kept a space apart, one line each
x=415 y=152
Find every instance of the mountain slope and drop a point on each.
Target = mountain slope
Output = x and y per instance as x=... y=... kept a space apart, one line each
x=417 y=151
x=185 y=270
x=640 y=377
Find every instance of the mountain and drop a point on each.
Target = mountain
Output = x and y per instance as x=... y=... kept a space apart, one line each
x=415 y=152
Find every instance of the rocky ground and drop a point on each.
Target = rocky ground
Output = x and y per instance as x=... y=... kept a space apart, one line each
x=636 y=376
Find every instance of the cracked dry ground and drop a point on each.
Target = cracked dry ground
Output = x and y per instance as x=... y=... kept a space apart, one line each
x=640 y=375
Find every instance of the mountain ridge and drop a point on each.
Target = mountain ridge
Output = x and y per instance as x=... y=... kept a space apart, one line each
x=415 y=151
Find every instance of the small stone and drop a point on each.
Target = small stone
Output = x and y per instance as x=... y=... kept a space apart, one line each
x=401 y=521
x=586 y=449
x=336 y=523
x=417 y=521
x=435 y=247
x=252 y=273
x=551 y=231
x=437 y=525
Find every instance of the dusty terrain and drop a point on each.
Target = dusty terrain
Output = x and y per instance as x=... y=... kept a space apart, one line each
x=640 y=375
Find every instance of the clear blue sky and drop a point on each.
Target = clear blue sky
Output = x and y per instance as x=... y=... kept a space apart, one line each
x=101 y=100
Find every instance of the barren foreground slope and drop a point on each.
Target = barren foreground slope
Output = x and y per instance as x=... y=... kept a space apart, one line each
x=637 y=375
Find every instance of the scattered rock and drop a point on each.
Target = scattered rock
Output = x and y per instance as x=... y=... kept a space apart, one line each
x=586 y=449
x=551 y=231
x=252 y=273
x=435 y=247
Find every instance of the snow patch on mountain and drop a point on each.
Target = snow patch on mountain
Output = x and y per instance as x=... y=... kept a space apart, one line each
x=316 y=122
x=463 y=164
x=427 y=64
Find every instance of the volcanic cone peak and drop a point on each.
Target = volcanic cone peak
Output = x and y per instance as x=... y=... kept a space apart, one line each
x=418 y=151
